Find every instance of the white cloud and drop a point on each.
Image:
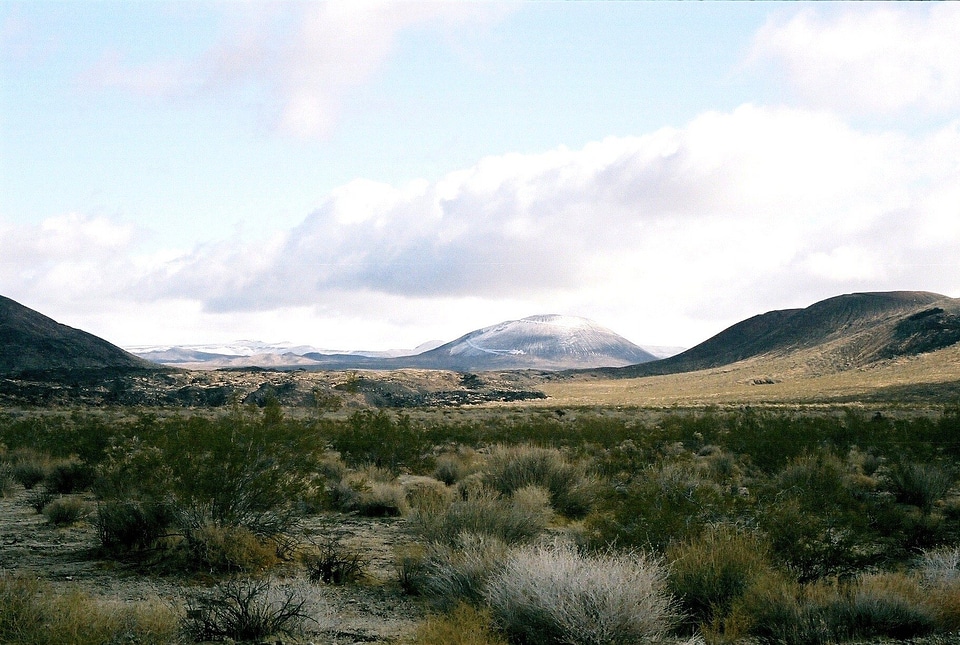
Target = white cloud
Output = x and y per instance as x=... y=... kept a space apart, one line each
x=664 y=237
x=733 y=212
x=302 y=58
x=883 y=58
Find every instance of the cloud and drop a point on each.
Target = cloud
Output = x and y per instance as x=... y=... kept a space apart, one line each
x=69 y=258
x=883 y=59
x=664 y=237
x=300 y=59
x=711 y=212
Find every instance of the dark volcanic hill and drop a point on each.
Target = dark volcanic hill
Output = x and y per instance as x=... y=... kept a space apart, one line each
x=843 y=332
x=30 y=342
x=538 y=342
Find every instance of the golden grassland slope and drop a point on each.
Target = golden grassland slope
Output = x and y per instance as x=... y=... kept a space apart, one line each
x=800 y=377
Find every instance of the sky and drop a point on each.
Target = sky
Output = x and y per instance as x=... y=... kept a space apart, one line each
x=374 y=175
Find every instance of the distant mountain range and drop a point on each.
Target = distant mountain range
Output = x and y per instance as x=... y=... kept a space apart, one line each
x=546 y=342
x=841 y=334
x=30 y=341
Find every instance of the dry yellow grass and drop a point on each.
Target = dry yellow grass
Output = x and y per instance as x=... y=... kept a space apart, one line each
x=797 y=378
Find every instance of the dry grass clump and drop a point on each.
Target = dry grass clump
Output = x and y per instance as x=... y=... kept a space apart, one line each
x=511 y=468
x=452 y=466
x=34 y=613
x=371 y=492
x=229 y=549
x=518 y=518
x=707 y=574
x=776 y=610
x=939 y=573
x=464 y=625
x=65 y=511
x=28 y=467
x=457 y=572
x=555 y=594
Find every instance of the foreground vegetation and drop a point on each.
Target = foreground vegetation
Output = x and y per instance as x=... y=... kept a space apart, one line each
x=547 y=526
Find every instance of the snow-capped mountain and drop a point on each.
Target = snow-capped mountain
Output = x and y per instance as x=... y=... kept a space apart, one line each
x=547 y=342
x=537 y=342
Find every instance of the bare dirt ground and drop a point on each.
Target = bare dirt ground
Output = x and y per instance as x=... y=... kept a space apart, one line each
x=372 y=611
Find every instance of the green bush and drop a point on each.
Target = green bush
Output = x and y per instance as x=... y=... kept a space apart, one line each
x=245 y=469
x=70 y=477
x=662 y=503
x=554 y=594
x=29 y=473
x=920 y=485
x=819 y=518
x=128 y=525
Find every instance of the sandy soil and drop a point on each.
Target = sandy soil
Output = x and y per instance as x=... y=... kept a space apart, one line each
x=373 y=611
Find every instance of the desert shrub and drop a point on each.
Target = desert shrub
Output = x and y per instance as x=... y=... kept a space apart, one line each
x=425 y=493
x=449 y=468
x=555 y=594
x=246 y=469
x=40 y=497
x=464 y=625
x=939 y=574
x=28 y=473
x=920 y=485
x=64 y=511
x=382 y=500
x=128 y=526
x=819 y=520
x=518 y=518
x=382 y=439
x=880 y=606
x=333 y=562
x=510 y=468
x=456 y=572
x=70 y=477
x=8 y=483
x=768 y=610
x=34 y=613
x=372 y=492
x=245 y=610
x=663 y=503
x=707 y=574
x=410 y=560
x=229 y=549
x=940 y=566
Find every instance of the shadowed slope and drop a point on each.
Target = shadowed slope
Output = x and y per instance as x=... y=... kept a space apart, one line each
x=30 y=341
x=840 y=333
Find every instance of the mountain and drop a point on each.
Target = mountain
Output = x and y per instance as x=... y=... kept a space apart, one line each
x=539 y=342
x=30 y=341
x=841 y=333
